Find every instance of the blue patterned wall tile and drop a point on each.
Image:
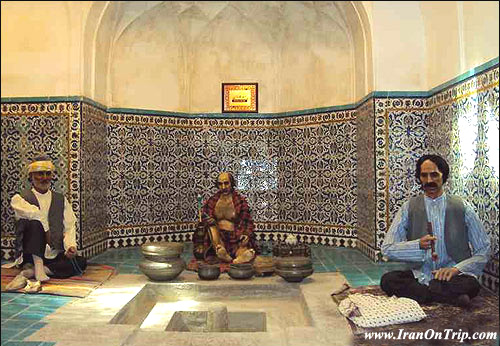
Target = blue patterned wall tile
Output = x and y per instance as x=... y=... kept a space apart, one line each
x=334 y=178
x=28 y=129
x=94 y=167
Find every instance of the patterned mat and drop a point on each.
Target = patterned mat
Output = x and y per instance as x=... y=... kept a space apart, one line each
x=194 y=264
x=75 y=286
x=480 y=316
x=263 y=265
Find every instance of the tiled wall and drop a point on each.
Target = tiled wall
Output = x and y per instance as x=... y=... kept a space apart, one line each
x=333 y=177
x=365 y=122
x=461 y=124
x=137 y=177
x=464 y=127
x=298 y=174
x=94 y=180
x=29 y=128
x=400 y=139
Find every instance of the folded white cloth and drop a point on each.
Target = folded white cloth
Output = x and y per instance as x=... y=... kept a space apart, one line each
x=367 y=310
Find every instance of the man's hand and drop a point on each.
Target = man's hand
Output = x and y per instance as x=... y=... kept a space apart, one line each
x=445 y=274
x=209 y=221
x=244 y=240
x=71 y=252
x=426 y=241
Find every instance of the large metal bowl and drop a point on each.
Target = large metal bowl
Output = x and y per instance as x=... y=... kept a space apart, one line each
x=293 y=262
x=162 y=271
x=294 y=275
x=162 y=251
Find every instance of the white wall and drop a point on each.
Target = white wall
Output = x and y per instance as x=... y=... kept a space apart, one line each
x=398 y=46
x=442 y=30
x=41 y=48
x=460 y=35
x=35 y=56
x=480 y=32
x=176 y=56
x=173 y=56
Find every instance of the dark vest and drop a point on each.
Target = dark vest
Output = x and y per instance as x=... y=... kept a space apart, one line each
x=455 y=232
x=56 y=216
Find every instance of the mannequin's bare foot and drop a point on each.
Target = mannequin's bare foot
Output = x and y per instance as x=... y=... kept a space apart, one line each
x=17 y=283
x=245 y=256
x=222 y=254
x=33 y=287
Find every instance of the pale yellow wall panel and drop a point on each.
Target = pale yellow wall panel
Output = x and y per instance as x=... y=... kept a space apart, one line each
x=398 y=46
x=173 y=56
x=481 y=28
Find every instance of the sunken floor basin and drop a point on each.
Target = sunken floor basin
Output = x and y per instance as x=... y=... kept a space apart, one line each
x=130 y=310
x=274 y=307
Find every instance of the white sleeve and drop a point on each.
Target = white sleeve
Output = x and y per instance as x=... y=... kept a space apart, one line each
x=25 y=210
x=69 y=226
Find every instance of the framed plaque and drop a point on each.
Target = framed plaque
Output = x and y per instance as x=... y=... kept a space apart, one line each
x=239 y=97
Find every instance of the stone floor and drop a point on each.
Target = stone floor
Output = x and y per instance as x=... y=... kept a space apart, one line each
x=29 y=320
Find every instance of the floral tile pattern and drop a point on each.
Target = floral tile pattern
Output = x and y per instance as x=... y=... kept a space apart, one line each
x=465 y=122
x=399 y=140
x=365 y=121
x=28 y=129
x=334 y=178
x=94 y=180
x=298 y=174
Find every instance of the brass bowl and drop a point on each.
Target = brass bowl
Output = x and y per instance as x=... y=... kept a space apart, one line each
x=294 y=275
x=162 y=251
x=241 y=271
x=293 y=262
x=208 y=271
x=162 y=271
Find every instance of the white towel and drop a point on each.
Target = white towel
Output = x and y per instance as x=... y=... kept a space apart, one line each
x=367 y=310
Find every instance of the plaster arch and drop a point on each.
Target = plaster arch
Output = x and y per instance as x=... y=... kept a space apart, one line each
x=107 y=23
x=363 y=50
x=89 y=47
x=99 y=31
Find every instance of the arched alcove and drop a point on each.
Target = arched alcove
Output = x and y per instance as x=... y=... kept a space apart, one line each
x=173 y=56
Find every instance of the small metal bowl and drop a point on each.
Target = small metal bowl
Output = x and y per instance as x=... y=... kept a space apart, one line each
x=208 y=271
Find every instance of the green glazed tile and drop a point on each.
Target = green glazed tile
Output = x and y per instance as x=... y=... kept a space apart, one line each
x=31 y=315
x=24 y=334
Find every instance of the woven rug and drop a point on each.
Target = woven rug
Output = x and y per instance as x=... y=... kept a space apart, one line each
x=75 y=286
x=480 y=316
x=194 y=264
